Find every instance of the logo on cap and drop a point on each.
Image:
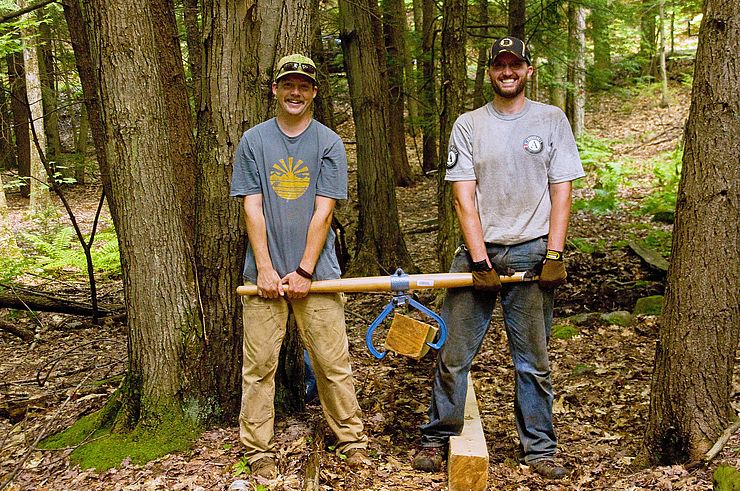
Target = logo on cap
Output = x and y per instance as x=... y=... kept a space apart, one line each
x=506 y=42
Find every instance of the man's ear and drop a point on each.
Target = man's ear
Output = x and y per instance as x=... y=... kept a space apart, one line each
x=274 y=88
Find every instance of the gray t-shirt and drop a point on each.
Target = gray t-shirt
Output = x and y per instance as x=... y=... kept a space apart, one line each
x=513 y=158
x=289 y=172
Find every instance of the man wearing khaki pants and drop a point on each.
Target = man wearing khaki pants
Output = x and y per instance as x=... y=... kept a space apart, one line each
x=289 y=171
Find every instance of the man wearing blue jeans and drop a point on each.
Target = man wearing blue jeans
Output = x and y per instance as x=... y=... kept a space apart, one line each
x=511 y=164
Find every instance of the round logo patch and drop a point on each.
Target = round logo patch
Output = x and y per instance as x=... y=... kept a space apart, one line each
x=533 y=144
x=289 y=179
x=452 y=157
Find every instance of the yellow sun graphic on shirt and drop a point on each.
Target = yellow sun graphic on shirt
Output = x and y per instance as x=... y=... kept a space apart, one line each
x=289 y=180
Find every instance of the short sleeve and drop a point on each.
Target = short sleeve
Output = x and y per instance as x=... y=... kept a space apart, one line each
x=332 y=179
x=460 y=151
x=565 y=163
x=245 y=178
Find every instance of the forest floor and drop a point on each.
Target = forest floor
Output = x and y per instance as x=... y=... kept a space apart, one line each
x=601 y=376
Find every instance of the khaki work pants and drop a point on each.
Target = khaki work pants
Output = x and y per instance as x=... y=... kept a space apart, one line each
x=320 y=320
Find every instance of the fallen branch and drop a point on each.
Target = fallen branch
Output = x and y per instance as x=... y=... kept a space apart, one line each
x=313 y=466
x=26 y=335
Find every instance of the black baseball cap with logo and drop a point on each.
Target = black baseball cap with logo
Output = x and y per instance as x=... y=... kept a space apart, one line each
x=512 y=45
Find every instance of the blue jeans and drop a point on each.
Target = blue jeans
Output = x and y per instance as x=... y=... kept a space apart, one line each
x=528 y=319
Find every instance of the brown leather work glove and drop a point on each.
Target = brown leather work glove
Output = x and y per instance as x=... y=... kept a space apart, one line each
x=485 y=278
x=553 y=271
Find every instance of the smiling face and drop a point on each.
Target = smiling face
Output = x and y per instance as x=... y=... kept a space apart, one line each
x=294 y=94
x=509 y=75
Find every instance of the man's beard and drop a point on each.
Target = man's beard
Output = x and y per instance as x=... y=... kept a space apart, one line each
x=521 y=84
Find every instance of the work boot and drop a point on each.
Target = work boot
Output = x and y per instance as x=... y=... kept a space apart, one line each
x=429 y=459
x=357 y=457
x=549 y=469
x=265 y=467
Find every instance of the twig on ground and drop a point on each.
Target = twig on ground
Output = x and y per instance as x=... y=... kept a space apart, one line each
x=716 y=448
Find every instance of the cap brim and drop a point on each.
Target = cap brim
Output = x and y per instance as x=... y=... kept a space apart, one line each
x=296 y=72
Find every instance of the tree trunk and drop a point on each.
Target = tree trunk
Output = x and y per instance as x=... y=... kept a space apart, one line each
x=324 y=102
x=81 y=145
x=179 y=116
x=663 y=74
x=17 y=83
x=454 y=79
x=427 y=88
x=235 y=87
x=157 y=266
x=646 y=54
x=576 y=103
x=691 y=391
x=40 y=195
x=47 y=76
x=394 y=32
x=7 y=152
x=380 y=245
x=517 y=18
x=484 y=45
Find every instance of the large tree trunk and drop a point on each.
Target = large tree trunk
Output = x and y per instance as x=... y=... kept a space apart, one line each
x=394 y=31
x=691 y=392
x=380 y=245
x=157 y=267
x=7 y=152
x=17 y=82
x=427 y=88
x=454 y=77
x=237 y=73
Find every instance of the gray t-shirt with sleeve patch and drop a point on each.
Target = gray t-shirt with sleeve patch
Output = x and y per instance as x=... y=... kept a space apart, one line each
x=514 y=159
x=289 y=172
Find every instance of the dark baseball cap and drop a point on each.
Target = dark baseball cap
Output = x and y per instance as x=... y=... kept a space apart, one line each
x=512 y=45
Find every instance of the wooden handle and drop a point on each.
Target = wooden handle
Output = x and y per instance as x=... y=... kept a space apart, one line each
x=383 y=283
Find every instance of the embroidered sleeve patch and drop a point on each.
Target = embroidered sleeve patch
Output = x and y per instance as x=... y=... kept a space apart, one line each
x=452 y=157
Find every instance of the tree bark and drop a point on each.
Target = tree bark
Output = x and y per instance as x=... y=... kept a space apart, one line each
x=17 y=82
x=7 y=152
x=453 y=103
x=484 y=45
x=195 y=47
x=691 y=390
x=394 y=32
x=427 y=88
x=517 y=18
x=237 y=75
x=380 y=245
x=47 y=76
x=157 y=267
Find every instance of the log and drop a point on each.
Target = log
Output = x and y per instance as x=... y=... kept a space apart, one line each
x=25 y=334
x=467 y=463
x=649 y=256
x=386 y=283
x=26 y=300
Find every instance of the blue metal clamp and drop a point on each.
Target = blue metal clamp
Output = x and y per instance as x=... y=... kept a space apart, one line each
x=399 y=285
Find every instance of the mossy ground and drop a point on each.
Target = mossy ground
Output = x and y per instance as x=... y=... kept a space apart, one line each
x=101 y=449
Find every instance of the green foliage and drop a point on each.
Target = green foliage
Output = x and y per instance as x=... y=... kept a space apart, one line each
x=660 y=240
x=60 y=251
x=667 y=172
x=652 y=305
x=241 y=467
x=596 y=157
